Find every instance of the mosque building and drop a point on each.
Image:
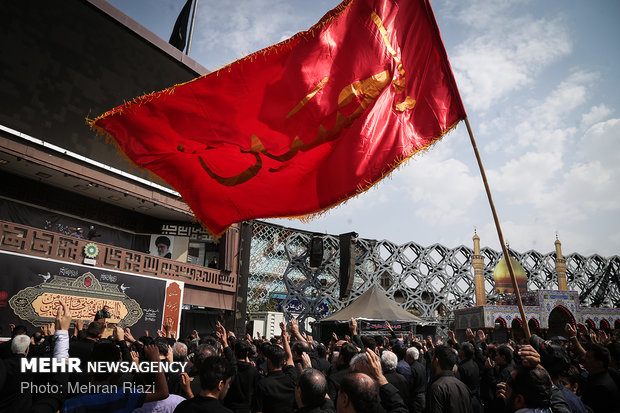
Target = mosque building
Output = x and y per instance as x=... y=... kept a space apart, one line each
x=547 y=311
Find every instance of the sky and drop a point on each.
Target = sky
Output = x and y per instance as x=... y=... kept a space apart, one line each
x=540 y=81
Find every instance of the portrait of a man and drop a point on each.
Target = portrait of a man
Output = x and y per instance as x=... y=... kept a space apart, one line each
x=163 y=247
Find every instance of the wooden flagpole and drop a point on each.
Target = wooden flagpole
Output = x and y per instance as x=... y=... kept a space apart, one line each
x=526 y=327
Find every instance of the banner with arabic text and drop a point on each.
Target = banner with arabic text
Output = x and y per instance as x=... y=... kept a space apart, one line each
x=31 y=289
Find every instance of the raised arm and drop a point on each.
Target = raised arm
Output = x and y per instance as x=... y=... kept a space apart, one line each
x=286 y=345
x=295 y=331
x=571 y=332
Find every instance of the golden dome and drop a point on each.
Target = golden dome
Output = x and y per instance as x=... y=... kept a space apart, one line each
x=503 y=283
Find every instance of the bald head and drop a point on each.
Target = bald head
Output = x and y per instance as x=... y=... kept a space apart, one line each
x=362 y=392
x=313 y=386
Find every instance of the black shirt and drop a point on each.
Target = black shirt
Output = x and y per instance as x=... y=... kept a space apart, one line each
x=239 y=396
x=448 y=394
x=469 y=374
x=201 y=404
x=276 y=392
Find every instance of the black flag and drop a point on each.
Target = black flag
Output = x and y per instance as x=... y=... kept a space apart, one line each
x=179 y=33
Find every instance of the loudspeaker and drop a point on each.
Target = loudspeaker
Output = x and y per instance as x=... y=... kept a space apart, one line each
x=347 y=262
x=316 y=251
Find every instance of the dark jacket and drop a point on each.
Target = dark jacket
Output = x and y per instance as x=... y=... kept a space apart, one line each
x=469 y=374
x=447 y=394
x=276 y=392
x=601 y=394
x=400 y=382
x=333 y=381
x=239 y=396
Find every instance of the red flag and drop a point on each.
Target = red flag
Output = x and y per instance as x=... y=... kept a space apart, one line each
x=303 y=125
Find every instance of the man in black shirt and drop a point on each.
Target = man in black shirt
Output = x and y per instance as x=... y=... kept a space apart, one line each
x=469 y=373
x=446 y=393
x=244 y=382
x=347 y=351
x=311 y=391
x=215 y=377
x=599 y=392
x=276 y=392
x=417 y=390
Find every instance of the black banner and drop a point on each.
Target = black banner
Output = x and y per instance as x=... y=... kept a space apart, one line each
x=31 y=289
x=381 y=327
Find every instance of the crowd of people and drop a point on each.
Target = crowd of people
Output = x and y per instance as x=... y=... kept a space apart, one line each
x=295 y=373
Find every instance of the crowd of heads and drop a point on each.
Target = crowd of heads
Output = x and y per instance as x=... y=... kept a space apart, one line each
x=354 y=373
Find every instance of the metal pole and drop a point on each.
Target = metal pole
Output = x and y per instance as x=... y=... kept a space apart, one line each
x=191 y=28
x=526 y=328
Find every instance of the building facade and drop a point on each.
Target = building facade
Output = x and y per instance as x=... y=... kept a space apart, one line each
x=432 y=282
x=78 y=221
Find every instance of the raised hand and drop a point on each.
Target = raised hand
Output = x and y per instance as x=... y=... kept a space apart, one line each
x=603 y=338
x=481 y=336
x=118 y=333
x=284 y=332
x=373 y=367
x=353 y=326
x=305 y=360
x=135 y=357
x=570 y=330
x=429 y=342
x=128 y=335
x=186 y=385
x=220 y=329
x=151 y=353
x=451 y=335
x=501 y=391
x=582 y=329
x=470 y=334
x=63 y=317
x=529 y=357
x=294 y=327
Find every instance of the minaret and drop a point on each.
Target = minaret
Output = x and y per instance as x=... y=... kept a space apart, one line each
x=560 y=265
x=477 y=261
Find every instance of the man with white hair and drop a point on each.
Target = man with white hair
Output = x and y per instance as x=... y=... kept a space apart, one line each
x=389 y=362
x=179 y=351
x=366 y=386
x=20 y=345
x=418 y=382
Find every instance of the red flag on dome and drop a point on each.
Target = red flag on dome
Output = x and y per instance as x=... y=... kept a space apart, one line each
x=303 y=125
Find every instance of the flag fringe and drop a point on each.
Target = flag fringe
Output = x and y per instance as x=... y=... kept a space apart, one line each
x=306 y=218
x=111 y=140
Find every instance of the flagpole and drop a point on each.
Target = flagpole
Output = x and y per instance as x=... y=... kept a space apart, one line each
x=515 y=286
x=191 y=28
